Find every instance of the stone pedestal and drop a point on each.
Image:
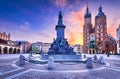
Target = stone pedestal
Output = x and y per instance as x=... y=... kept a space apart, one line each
x=21 y=60
x=89 y=63
x=50 y=63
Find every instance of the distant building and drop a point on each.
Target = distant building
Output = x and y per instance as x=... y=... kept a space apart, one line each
x=41 y=47
x=8 y=46
x=118 y=39
x=112 y=44
x=25 y=46
x=77 y=48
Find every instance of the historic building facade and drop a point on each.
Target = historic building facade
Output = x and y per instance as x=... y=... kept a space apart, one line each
x=77 y=48
x=26 y=46
x=118 y=39
x=41 y=47
x=8 y=46
x=86 y=30
x=99 y=32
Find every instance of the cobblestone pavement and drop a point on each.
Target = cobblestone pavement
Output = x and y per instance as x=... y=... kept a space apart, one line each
x=5 y=65
x=61 y=71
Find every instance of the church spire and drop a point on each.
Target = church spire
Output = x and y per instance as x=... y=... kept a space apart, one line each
x=100 y=9
x=60 y=18
x=87 y=10
x=88 y=14
x=101 y=13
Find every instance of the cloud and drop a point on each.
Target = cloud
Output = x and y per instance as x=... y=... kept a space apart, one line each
x=59 y=3
x=24 y=26
x=112 y=26
x=74 y=29
x=65 y=3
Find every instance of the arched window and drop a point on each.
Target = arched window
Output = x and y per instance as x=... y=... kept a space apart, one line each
x=5 y=50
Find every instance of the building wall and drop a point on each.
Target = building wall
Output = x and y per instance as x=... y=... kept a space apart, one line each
x=42 y=47
x=86 y=33
x=8 y=46
x=26 y=46
x=4 y=36
x=118 y=39
x=100 y=33
x=112 y=44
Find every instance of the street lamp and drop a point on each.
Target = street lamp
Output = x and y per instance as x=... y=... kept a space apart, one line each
x=107 y=49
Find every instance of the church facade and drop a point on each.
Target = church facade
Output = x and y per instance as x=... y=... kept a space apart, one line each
x=95 y=38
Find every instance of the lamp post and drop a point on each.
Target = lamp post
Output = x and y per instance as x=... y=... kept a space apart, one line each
x=107 y=49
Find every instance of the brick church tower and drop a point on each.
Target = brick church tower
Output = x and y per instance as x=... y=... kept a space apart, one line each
x=100 y=31
x=86 y=29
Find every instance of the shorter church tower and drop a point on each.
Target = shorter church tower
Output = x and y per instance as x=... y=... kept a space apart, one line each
x=100 y=31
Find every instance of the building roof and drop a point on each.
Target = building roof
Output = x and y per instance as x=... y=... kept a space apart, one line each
x=101 y=13
x=3 y=41
x=88 y=14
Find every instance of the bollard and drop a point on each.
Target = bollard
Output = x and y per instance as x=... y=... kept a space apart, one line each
x=50 y=63
x=95 y=58
x=21 y=60
x=89 y=63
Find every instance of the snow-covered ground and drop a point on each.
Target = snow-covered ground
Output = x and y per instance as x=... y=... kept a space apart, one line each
x=8 y=56
x=62 y=71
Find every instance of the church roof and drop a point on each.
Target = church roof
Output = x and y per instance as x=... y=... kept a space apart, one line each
x=101 y=13
x=88 y=14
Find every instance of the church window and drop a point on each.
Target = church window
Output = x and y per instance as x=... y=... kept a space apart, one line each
x=99 y=34
x=99 y=39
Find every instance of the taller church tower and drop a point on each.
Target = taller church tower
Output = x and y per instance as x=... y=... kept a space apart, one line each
x=87 y=29
x=100 y=31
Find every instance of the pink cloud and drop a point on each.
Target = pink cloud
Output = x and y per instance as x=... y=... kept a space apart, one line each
x=59 y=3
x=113 y=24
x=74 y=28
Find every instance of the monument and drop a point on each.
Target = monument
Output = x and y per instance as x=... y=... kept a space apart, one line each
x=60 y=44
